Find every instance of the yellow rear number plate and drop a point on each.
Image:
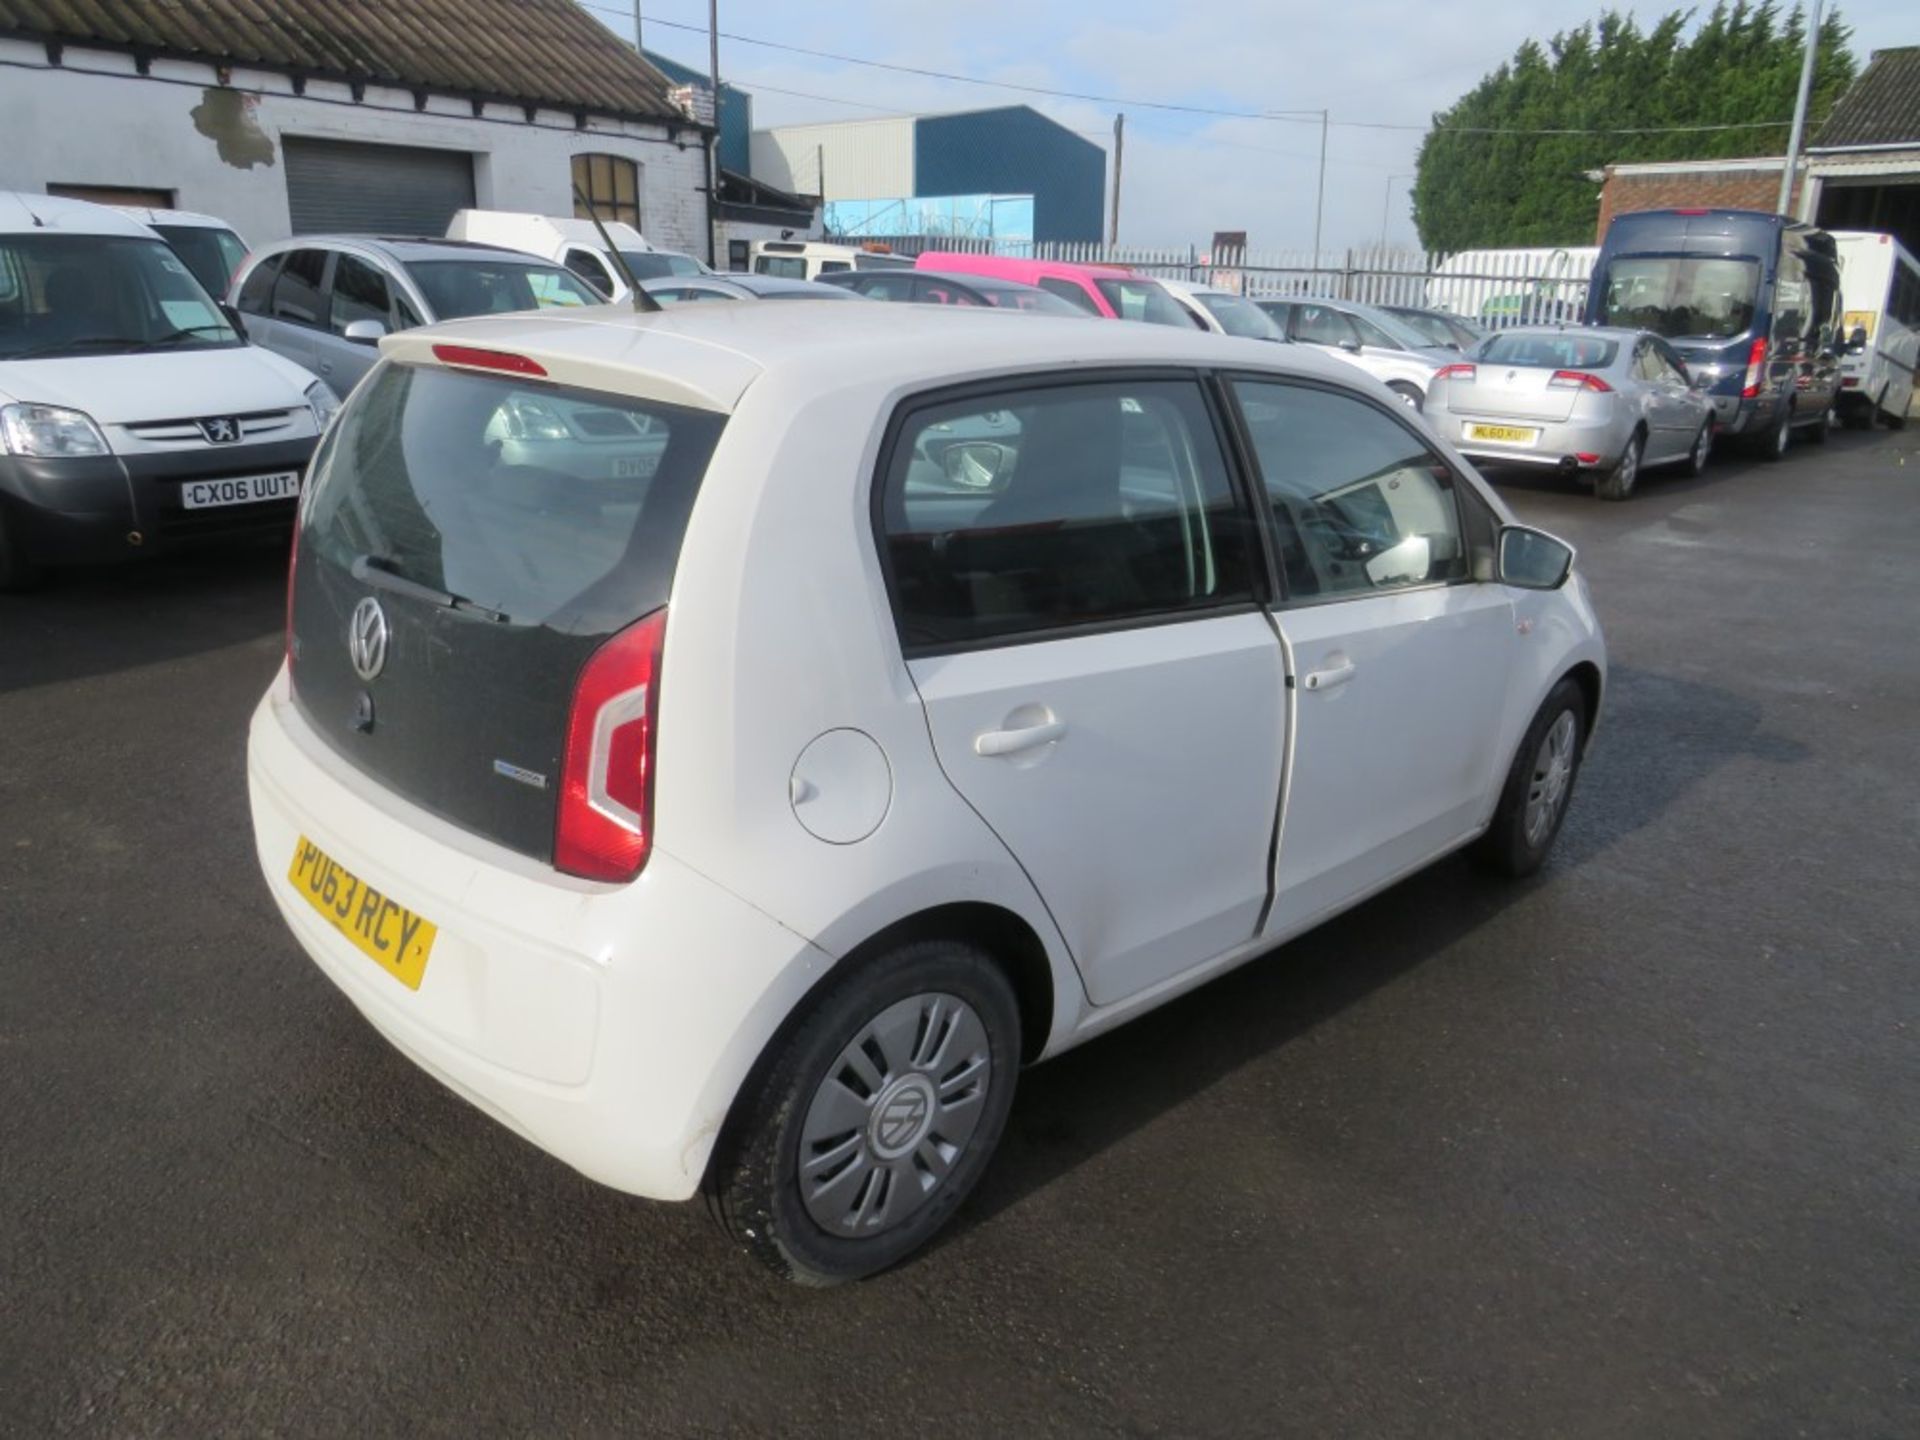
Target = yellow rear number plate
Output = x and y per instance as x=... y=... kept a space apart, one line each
x=1510 y=434
x=387 y=933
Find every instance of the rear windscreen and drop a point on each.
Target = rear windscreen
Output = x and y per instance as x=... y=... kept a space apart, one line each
x=548 y=506
x=1549 y=352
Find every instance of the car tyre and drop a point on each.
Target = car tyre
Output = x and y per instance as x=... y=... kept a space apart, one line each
x=798 y=1173
x=1618 y=483
x=1773 y=445
x=1539 y=785
x=1409 y=393
x=1702 y=449
x=1821 y=428
x=17 y=572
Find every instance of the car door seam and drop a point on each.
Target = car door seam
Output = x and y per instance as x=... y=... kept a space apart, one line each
x=1291 y=701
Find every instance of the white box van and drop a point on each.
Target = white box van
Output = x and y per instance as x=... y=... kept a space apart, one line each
x=134 y=414
x=1880 y=301
x=576 y=244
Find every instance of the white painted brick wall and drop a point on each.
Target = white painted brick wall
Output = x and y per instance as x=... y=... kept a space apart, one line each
x=70 y=127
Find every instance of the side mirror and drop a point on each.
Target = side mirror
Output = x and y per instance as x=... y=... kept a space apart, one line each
x=1352 y=347
x=1532 y=559
x=364 y=332
x=975 y=464
x=234 y=318
x=1857 y=340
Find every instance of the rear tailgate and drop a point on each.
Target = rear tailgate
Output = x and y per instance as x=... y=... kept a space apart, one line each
x=468 y=540
x=1505 y=392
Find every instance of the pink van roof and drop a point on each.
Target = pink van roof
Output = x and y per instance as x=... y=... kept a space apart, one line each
x=1009 y=268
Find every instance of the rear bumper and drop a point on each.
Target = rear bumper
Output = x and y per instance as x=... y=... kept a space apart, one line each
x=1558 y=446
x=90 y=509
x=609 y=1025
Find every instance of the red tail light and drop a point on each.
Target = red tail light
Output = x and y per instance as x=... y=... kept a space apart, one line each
x=1455 y=372
x=1578 y=380
x=604 y=829
x=1756 y=367
x=1693 y=211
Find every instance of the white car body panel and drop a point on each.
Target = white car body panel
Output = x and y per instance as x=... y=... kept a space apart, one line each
x=645 y=1005
x=1162 y=706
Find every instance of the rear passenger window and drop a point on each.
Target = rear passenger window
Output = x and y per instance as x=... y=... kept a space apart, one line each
x=1360 y=505
x=257 y=293
x=296 y=295
x=1036 y=510
x=1318 y=325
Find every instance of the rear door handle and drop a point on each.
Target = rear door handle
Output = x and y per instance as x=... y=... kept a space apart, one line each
x=1326 y=679
x=1012 y=742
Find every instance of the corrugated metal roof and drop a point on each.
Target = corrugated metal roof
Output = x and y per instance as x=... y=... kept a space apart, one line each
x=546 y=51
x=1882 y=107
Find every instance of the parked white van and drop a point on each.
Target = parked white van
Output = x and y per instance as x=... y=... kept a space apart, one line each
x=211 y=247
x=133 y=412
x=576 y=244
x=810 y=259
x=1880 y=295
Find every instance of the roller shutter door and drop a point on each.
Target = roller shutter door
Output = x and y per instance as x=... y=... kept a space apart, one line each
x=335 y=186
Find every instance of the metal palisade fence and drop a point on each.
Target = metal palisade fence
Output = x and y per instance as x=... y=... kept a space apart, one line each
x=1497 y=288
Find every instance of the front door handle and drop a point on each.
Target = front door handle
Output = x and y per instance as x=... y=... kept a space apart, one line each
x=1012 y=742
x=326 y=367
x=1328 y=678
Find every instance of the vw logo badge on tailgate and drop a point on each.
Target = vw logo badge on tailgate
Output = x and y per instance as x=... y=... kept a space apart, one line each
x=367 y=638
x=221 y=430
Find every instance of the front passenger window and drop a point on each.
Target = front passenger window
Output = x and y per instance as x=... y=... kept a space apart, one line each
x=1360 y=505
x=359 y=293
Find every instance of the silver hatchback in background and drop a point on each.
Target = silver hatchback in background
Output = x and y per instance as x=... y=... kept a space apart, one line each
x=1596 y=404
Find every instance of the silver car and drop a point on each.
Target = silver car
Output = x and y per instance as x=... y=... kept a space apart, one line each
x=1596 y=404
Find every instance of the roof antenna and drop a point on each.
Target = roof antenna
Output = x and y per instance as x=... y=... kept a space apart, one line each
x=38 y=223
x=642 y=301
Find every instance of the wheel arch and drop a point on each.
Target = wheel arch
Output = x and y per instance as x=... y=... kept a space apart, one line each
x=1592 y=685
x=1003 y=934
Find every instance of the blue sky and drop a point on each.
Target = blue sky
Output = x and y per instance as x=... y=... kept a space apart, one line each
x=1386 y=62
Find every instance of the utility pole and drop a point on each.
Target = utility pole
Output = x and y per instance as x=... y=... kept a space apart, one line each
x=1320 y=195
x=1385 y=202
x=1800 y=108
x=713 y=139
x=1119 y=148
x=638 y=44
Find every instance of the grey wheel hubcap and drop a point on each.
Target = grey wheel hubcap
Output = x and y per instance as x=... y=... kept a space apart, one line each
x=893 y=1114
x=1702 y=446
x=1630 y=466
x=1552 y=777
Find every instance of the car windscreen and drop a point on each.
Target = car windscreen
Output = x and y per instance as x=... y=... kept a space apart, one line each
x=459 y=288
x=655 y=264
x=1431 y=328
x=1145 y=300
x=1681 y=296
x=64 y=294
x=1029 y=298
x=1241 y=317
x=1560 y=351
x=212 y=254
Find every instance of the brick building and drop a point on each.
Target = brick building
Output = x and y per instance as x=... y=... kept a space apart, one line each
x=1862 y=170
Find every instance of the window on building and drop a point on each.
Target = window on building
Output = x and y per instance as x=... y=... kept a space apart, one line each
x=612 y=184
x=138 y=195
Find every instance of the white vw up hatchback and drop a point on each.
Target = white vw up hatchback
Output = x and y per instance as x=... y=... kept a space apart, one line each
x=726 y=744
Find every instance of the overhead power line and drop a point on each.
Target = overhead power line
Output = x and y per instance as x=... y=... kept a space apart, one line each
x=1295 y=117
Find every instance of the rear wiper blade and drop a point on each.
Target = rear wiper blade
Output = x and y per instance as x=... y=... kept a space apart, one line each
x=373 y=570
